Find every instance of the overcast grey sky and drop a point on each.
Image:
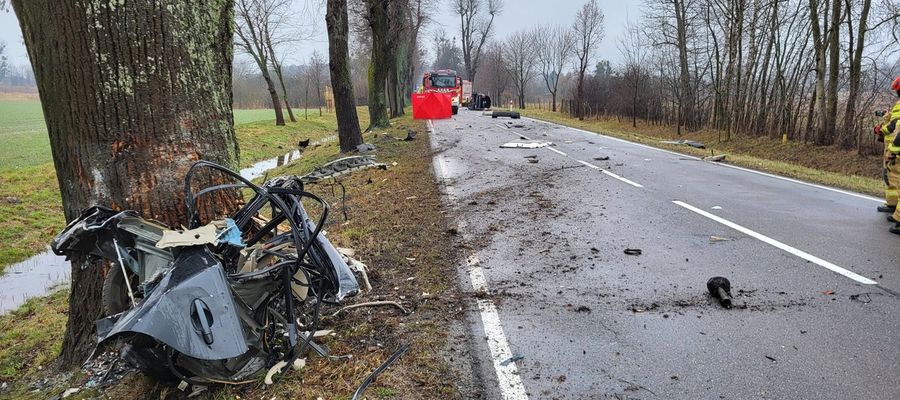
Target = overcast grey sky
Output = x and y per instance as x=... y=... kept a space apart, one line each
x=517 y=15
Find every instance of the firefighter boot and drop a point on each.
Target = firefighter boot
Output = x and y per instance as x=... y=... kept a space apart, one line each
x=895 y=230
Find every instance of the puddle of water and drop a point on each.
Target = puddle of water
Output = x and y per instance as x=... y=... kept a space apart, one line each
x=259 y=169
x=36 y=276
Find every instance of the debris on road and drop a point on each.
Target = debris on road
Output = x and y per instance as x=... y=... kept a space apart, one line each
x=603 y=158
x=633 y=252
x=525 y=144
x=303 y=144
x=864 y=298
x=716 y=239
x=581 y=309
x=514 y=358
x=772 y=359
x=533 y=160
x=720 y=288
x=718 y=158
x=692 y=143
x=410 y=135
x=508 y=114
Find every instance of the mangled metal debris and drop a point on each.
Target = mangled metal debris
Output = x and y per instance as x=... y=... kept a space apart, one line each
x=221 y=302
x=341 y=166
x=508 y=114
x=525 y=144
x=691 y=143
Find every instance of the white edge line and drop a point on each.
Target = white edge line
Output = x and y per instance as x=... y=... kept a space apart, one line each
x=765 y=239
x=784 y=178
x=508 y=379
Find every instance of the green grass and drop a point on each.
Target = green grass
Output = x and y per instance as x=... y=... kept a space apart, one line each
x=23 y=134
x=31 y=336
x=246 y=116
x=27 y=173
x=825 y=165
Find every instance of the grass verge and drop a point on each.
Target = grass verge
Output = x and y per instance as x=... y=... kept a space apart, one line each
x=30 y=206
x=828 y=165
x=397 y=228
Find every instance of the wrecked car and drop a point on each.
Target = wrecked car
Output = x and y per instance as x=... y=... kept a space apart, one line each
x=219 y=302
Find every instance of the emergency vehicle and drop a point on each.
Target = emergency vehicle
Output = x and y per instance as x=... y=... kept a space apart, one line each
x=445 y=81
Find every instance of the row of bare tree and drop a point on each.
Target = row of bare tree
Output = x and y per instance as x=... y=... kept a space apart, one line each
x=811 y=69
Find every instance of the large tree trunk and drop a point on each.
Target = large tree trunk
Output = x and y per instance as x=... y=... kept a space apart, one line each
x=133 y=94
x=349 y=134
x=379 y=66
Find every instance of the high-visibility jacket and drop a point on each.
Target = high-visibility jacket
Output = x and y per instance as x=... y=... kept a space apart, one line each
x=890 y=127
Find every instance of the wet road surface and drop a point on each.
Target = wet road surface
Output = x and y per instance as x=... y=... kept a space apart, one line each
x=811 y=268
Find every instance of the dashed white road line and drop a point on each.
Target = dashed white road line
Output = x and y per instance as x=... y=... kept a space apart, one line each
x=753 y=171
x=765 y=239
x=589 y=165
x=637 y=185
x=557 y=152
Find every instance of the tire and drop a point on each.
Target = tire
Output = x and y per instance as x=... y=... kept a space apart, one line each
x=114 y=297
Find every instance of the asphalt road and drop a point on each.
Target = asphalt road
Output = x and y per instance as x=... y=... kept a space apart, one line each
x=814 y=272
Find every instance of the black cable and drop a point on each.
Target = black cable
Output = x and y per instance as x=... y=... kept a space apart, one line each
x=371 y=378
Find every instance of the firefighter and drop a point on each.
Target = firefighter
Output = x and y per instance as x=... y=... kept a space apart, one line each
x=890 y=129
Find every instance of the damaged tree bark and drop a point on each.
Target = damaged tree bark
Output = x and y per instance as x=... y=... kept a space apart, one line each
x=133 y=94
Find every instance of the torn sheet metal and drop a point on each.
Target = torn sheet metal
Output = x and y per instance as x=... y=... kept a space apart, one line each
x=341 y=166
x=525 y=144
x=691 y=143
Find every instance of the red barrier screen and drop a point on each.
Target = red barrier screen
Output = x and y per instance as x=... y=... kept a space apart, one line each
x=431 y=106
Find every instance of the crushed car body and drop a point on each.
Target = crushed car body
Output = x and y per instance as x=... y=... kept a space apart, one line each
x=219 y=302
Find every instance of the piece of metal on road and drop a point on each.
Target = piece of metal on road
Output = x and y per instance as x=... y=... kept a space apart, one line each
x=765 y=239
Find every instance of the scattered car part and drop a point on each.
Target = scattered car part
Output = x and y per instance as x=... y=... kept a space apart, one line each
x=692 y=143
x=633 y=252
x=341 y=166
x=371 y=378
x=508 y=114
x=720 y=288
x=525 y=144
x=718 y=158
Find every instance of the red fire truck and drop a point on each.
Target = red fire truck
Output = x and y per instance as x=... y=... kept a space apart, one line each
x=445 y=81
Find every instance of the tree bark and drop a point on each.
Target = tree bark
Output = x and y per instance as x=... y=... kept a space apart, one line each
x=133 y=94
x=855 y=72
x=349 y=135
x=379 y=66
x=833 y=69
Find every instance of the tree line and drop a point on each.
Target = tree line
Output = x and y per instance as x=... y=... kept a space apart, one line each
x=813 y=70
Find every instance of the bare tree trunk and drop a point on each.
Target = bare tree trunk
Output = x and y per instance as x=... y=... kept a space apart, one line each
x=124 y=130
x=855 y=72
x=336 y=19
x=833 y=69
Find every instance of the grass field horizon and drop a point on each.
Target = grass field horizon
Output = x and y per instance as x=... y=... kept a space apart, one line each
x=30 y=209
